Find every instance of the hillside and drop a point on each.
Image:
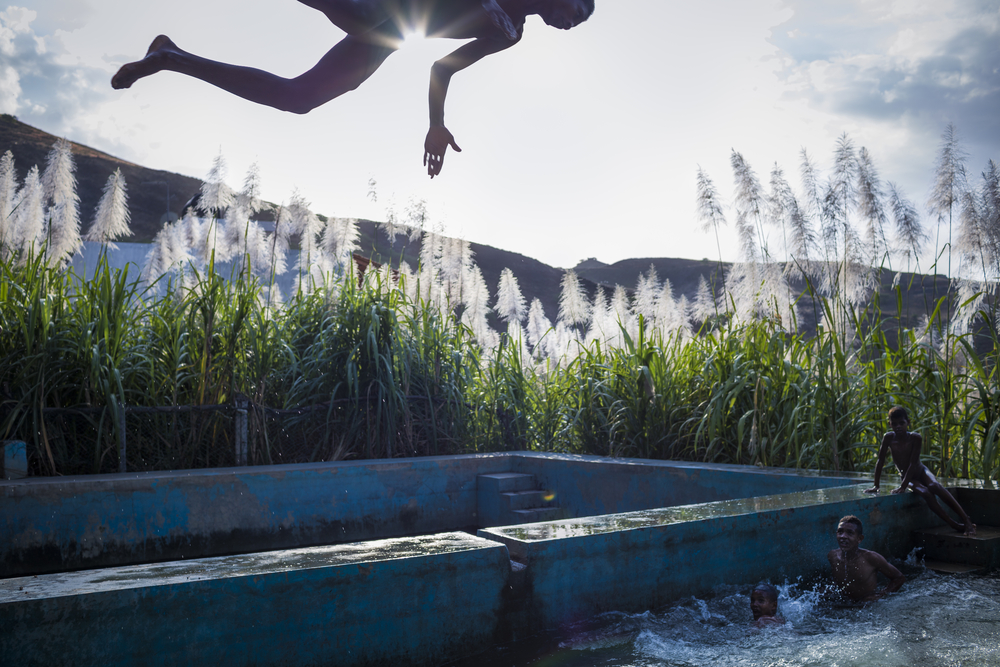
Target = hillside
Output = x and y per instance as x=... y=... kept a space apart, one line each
x=918 y=295
x=147 y=198
x=148 y=188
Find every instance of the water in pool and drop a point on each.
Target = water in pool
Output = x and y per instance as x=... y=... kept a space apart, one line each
x=935 y=620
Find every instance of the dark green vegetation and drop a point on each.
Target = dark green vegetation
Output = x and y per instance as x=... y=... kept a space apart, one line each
x=795 y=363
x=370 y=374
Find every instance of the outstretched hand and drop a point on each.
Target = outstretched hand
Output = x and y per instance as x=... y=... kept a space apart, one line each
x=500 y=19
x=437 y=142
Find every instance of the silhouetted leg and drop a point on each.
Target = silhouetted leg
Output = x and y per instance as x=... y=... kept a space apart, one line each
x=932 y=503
x=967 y=527
x=934 y=488
x=354 y=17
x=342 y=69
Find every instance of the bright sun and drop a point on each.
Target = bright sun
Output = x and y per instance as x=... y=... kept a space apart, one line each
x=412 y=38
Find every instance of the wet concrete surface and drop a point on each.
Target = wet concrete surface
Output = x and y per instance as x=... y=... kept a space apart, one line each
x=243 y=565
x=609 y=523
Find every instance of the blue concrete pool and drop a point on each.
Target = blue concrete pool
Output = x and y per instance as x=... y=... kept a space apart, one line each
x=412 y=560
x=58 y=524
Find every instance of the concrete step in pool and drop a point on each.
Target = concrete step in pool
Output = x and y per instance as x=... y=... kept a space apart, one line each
x=507 y=482
x=511 y=498
x=536 y=514
x=944 y=549
x=951 y=568
x=525 y=500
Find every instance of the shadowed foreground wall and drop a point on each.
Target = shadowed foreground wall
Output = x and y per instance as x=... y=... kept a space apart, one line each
x=389 y=602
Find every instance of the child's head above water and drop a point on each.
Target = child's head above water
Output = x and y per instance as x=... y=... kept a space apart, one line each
x=764 y=601
x=853 y=520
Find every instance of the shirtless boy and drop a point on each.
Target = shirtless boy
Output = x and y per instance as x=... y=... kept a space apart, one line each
x=375 y=28
x=855 y=570
x=764 y=605
x=905 y=447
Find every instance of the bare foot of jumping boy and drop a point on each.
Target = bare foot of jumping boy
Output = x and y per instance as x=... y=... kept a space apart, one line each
x=151 y=64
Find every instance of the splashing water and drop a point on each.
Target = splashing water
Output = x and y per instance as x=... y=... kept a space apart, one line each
x=935 y=619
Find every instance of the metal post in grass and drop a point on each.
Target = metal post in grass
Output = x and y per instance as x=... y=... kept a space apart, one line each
x=121 y=439
x=241 y=429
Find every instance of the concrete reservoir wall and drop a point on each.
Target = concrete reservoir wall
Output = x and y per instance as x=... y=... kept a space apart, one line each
x=66 y=523
x=411 y=600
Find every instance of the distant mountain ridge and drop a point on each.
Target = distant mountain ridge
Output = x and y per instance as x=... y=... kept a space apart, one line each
x=147 y=188
x=147 y=199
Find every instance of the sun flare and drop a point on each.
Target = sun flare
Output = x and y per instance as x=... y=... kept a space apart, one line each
x=411 y=38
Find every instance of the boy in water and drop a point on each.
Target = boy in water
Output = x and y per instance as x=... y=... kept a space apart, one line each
x=855 y=570
x=375 y=28
x=764 y=605
x=905 y=447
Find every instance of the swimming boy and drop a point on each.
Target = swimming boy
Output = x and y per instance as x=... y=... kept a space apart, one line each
x=375 y=28
x=905 y=447
x=856 y=570
x=764 y=605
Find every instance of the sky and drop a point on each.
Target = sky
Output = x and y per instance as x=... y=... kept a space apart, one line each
x=576 y=144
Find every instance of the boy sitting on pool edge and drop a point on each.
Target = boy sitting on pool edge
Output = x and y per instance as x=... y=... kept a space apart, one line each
x=905 y=447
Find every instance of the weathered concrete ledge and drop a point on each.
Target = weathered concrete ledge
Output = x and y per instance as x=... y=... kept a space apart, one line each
x=593 y=485
x=636 y=561
x=429 y=599
x=59 y=524
x=390 y=602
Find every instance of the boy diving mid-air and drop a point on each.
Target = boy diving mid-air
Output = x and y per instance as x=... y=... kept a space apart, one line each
x=375 y=28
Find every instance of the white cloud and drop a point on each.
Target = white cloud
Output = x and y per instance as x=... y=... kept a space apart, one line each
x=10 y=90
x=63 y=15
x=39 y=81
x=926 y=62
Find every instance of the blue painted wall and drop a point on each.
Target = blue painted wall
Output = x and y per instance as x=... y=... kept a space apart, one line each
x=50 y=525
x=57 y=524
x=409 y=601
x=593 y=485
x=643 y=560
